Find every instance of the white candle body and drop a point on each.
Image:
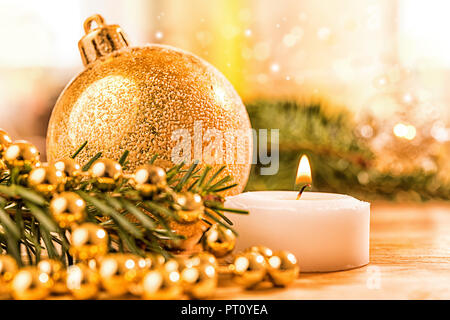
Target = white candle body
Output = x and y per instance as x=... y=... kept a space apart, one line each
x=325 y=231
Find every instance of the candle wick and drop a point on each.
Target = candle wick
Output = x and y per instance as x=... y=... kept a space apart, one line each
x=302 y=189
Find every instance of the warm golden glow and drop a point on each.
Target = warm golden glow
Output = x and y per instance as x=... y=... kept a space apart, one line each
x=303 y=171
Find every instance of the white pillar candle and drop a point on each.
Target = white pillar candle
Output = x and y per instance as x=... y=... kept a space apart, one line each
x=325 y=231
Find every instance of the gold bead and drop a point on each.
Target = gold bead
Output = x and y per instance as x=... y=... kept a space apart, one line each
x=106 y=172
x=67 y=208
x=21 y=154
x=174 y=264
x=219 y=241
x=201 y=258
x=82 y=282
x=31 y=284
x=88 y=241
x=283 y=268
x=3 y=165
x=69 y=166
x=200 y=281
x=160 y=284
x=154 y=260
x=250 y=268
x=189 y=207
x=264 y=251
x=46 y=179
x=149 y=179
x=144 y=264
x=56 y=272
x=118 y=271
x=8 y=269
x=5 y=140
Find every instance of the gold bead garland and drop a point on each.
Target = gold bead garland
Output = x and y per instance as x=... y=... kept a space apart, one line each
x=118 y=274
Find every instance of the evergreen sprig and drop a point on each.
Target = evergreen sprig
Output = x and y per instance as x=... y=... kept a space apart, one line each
x=134 y=224
x=341 y=161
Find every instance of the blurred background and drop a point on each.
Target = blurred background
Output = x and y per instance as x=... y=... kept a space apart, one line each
x=358 y=85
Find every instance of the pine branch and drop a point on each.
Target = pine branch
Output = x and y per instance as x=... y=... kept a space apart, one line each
x=133 y=222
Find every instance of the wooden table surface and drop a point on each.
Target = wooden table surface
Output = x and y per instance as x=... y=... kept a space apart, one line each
x=409 y=259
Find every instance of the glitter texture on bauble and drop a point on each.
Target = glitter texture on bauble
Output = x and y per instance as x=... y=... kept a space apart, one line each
x=134 y=98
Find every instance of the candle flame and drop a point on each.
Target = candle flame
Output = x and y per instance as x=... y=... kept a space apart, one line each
x=303 y=171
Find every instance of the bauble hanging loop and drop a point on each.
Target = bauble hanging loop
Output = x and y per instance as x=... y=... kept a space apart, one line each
x=100 y=41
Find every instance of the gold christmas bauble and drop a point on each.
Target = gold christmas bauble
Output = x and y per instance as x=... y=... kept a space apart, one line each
x=146 y=100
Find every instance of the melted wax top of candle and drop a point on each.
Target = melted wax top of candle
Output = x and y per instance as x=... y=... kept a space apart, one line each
x=287 y=199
